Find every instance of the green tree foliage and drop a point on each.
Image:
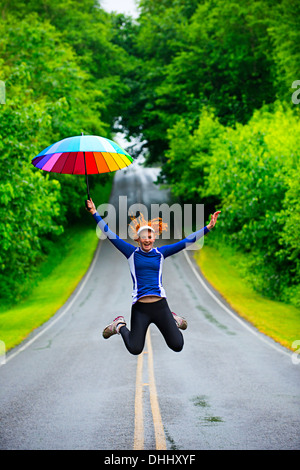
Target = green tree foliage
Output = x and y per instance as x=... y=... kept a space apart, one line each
x=252 y=172
x=199 y=54
x=149 y=49
x=57 y=73
x=210 y=92
x=284 y=32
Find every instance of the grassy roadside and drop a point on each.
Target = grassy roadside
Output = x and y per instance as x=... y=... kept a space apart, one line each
x=66 y=264
x=60 y=274
x=278 y=320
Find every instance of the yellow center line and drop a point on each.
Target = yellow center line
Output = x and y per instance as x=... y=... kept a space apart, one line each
x=138 y=417
x=157 y=421
x=160 y=439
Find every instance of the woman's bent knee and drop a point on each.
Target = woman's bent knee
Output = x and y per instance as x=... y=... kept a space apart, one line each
x=178 y=346
x=135 y=351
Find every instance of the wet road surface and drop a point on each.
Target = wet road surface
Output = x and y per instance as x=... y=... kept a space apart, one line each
x=66 y=387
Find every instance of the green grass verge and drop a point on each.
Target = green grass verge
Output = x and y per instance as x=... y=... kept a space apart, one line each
x=278 y=320
x=66 y=264
x=60 y=274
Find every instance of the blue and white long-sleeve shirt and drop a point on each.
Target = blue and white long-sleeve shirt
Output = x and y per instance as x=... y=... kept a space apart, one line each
x=146 y=268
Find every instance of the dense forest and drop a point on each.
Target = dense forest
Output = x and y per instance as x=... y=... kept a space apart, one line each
x=209 y=86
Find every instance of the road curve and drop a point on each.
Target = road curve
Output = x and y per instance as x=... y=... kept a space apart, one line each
x=66 y=387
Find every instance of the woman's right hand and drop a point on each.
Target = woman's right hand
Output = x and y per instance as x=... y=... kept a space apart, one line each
x=90 y=206
x=213 y=220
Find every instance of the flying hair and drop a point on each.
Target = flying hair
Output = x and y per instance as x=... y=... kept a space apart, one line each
x=137 y=222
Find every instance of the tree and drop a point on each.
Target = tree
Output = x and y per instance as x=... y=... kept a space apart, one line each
x=194 y=55
x=44 y=103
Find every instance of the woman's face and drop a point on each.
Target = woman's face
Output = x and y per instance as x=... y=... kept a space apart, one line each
x=146 y=240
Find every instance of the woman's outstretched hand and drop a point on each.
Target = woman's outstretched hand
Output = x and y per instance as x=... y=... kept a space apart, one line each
x=90 y=206
x=213 y=220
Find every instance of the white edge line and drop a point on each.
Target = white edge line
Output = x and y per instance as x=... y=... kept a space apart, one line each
x=238 y=319
x=63 y=313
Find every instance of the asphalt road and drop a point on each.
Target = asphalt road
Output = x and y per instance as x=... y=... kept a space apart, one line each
x=66 y=387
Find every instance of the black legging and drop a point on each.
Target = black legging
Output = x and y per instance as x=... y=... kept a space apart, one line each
x=142 y=314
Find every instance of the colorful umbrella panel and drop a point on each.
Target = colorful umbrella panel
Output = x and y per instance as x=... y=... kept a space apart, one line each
x=70 y=155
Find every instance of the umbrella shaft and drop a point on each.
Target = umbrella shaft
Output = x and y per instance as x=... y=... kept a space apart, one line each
x=86 y=175
x=87 y=185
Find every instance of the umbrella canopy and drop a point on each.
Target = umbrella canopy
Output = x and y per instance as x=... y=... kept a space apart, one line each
x=82 y=155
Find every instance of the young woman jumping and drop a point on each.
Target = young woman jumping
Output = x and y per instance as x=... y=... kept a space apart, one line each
x=149 y=298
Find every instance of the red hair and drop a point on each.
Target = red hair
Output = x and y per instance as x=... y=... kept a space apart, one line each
x=137 y=222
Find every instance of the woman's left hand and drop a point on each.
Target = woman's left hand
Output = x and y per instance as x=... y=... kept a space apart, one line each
x=213 y=220
x=90 y=206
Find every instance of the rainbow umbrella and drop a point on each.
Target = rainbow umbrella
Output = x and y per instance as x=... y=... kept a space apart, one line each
x=82 y=155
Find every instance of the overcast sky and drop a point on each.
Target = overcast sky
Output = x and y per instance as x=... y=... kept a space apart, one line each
x=120 y=6
x=127 y=7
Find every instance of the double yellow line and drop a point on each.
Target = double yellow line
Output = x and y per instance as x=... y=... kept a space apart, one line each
x=160 y=439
